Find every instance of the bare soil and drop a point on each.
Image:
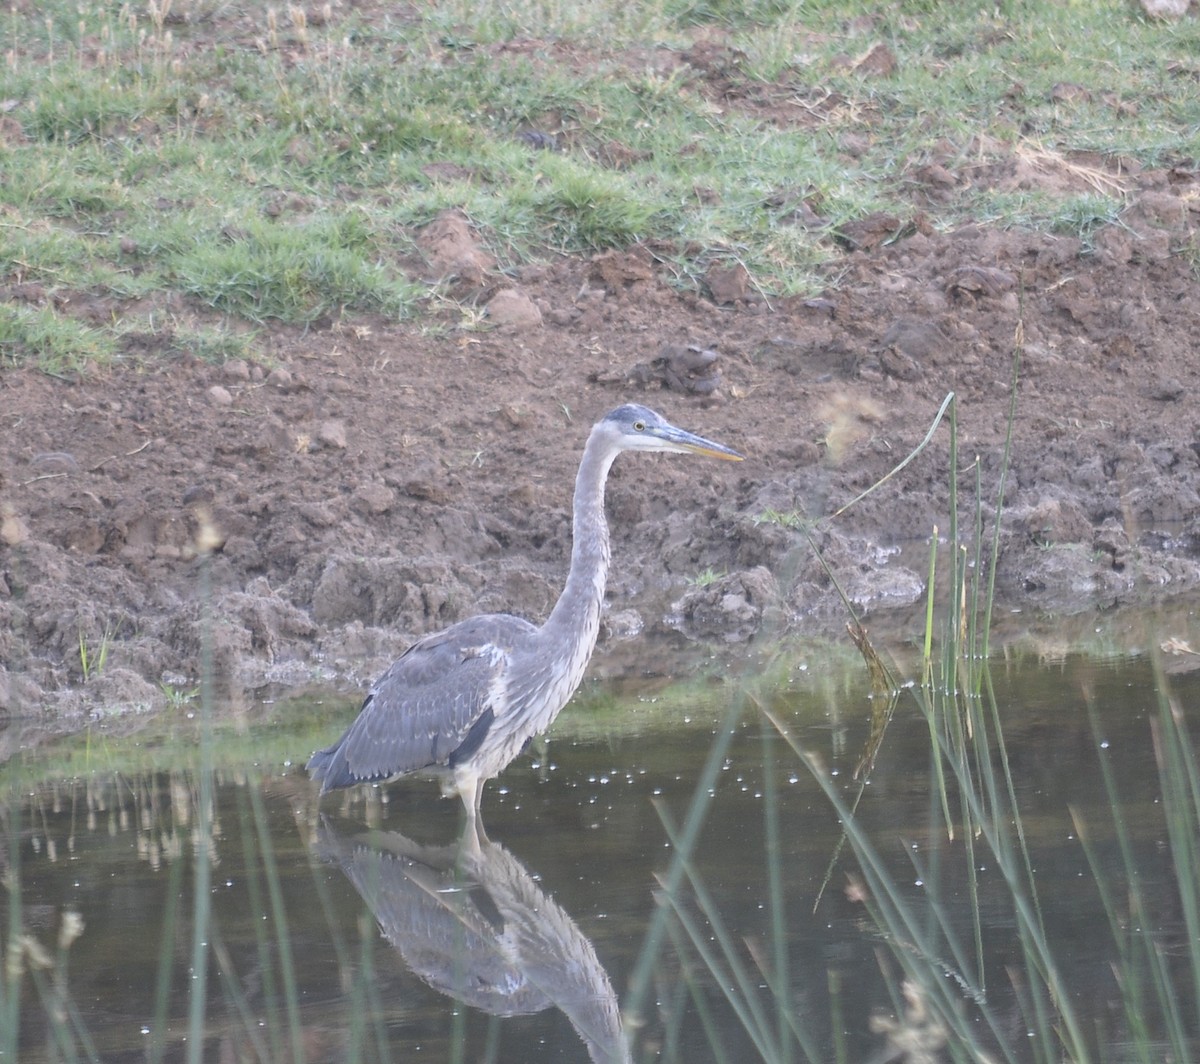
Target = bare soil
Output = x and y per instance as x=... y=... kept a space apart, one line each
x=365 y=481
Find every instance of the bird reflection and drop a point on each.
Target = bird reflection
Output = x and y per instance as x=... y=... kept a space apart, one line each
x=471 y=922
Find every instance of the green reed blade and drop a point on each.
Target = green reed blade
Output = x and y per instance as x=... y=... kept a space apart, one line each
x=1005 y=463
x=640 y=979
x=291 y=995
x=236 y=995
x=713 y=1039
x=776 y=898
x=937 y=420
x=742 y=1000
x=202 y=871
x=745 y=1002
x=166 y=961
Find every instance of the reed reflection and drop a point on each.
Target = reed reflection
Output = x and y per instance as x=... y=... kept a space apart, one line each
x=470 y=921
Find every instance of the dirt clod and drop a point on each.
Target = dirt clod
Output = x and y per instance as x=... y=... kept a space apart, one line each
x=387 y=478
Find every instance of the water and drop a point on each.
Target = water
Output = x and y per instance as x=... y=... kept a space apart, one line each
x=519 y=948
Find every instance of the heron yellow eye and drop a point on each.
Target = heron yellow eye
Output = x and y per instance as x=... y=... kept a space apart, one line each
x=639 y=426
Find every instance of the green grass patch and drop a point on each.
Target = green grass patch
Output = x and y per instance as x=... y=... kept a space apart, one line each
x=290 y=272
x=59 y=343
x=695 y=124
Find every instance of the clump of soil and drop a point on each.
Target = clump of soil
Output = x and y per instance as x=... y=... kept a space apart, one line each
x=373 y=480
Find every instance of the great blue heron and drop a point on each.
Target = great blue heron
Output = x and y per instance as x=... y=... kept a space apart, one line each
x=463 y=702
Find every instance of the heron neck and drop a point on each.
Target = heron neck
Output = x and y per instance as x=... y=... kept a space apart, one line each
x=578 y=608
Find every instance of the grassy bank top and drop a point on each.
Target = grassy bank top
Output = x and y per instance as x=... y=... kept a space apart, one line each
x=186 y=171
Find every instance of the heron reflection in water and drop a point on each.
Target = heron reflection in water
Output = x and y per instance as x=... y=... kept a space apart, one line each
x=469 y=920
x=464 y=702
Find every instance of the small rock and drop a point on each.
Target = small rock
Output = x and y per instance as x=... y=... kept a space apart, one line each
x=333 y=434
x=514 y=309
x=374 y=497
x=866 y=234
x=728 y=284
x=318 y=514
x=980 y=280
x=617 y=270
x=220 y=396
x=1055 y=521
x=429 y=490
x=920 y=340
x=12 y=528
x=895 y=363
x=624 y=624
x=1166 y=390
x=451 y=249
x=689 y=368
x=199 y=495
x=1165 y=9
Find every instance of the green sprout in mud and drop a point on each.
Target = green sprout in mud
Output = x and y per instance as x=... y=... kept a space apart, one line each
x=785 y=519
x=178 y=697
x=93 y=659
x=705 y=579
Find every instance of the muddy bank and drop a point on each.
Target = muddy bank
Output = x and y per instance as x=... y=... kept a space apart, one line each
x=369 y=481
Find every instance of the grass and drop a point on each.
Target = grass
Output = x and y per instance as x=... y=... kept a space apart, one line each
x=93 y=657
x=273 y=165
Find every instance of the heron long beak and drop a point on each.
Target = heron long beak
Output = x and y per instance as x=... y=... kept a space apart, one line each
x=688 y=441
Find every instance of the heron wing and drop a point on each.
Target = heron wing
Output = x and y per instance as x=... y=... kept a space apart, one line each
x=431 y=701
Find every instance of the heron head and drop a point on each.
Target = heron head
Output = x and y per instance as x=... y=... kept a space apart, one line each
x=638 y=428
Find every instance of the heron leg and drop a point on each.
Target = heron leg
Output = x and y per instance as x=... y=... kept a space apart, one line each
x=469 y=843
x=475 y=812
x=471 y=793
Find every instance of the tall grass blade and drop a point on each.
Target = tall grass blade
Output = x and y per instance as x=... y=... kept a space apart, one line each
x=714 y=1040
x=1005 y=465
x=915 y=951
x=291 y=996
x=1180 y=781
x=731 y=973
x=166 y=957
x=937 y=420
x=641 y=978
x=202 y=856
x=227 y=972
x=776 y=899
x=10 y=974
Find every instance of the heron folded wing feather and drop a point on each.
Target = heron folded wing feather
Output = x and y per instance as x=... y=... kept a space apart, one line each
x=424 y=707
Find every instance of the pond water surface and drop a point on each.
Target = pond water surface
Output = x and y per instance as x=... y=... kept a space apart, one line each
x=363 y=928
